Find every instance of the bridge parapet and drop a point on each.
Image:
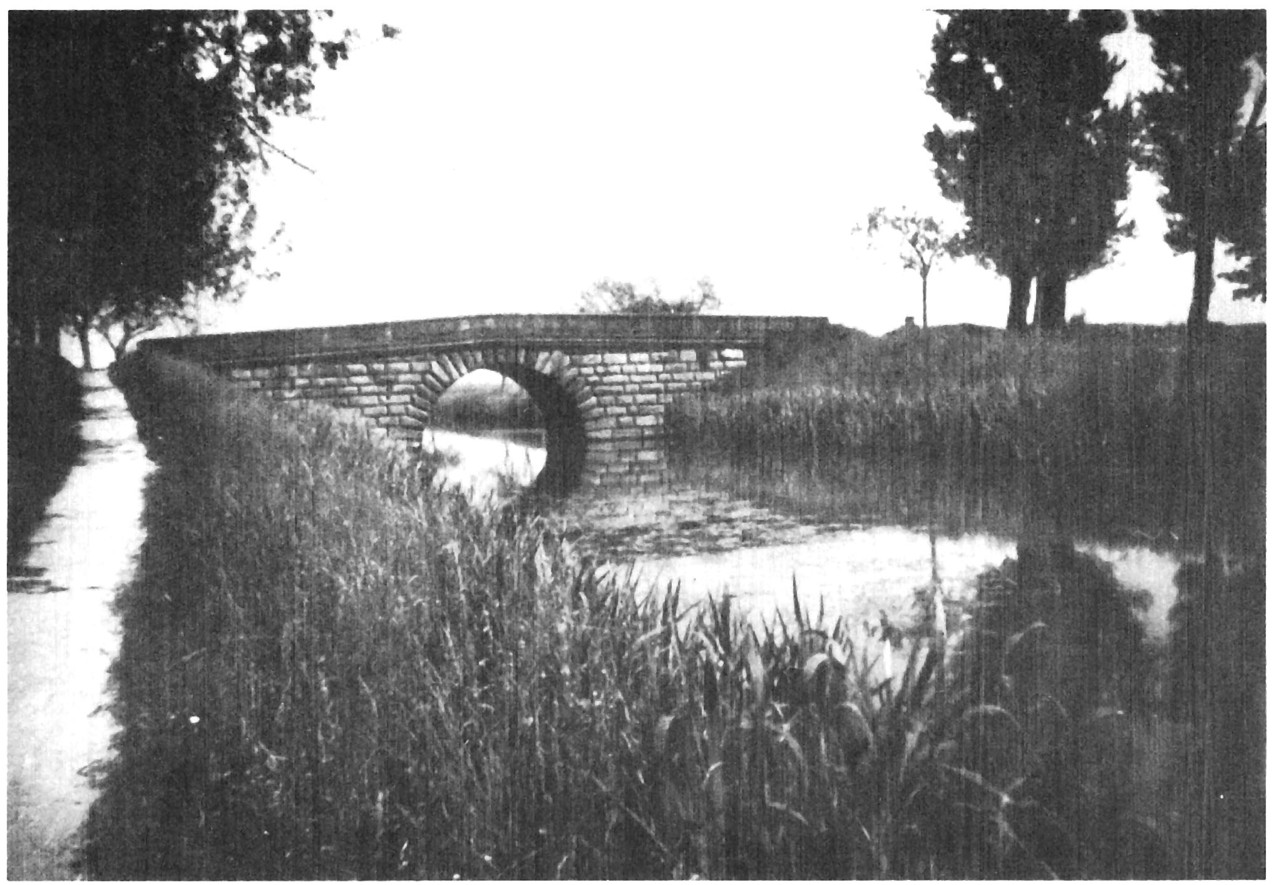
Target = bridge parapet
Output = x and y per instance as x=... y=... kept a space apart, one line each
x=601 y=382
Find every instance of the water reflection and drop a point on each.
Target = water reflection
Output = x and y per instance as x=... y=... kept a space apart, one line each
x=1132 y=671
x=859 y=572
x=488 y=464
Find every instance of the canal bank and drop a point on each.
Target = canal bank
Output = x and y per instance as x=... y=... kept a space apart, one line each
x=63 y=635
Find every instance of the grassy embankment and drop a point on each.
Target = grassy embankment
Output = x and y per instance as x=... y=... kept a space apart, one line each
x=45 y=406
x=1097 y=433
x=327 y=671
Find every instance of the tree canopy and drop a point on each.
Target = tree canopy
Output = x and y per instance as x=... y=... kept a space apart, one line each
x=921 y=241
x=1039 y=160
x=1206 y=133
x=610 y=296
x=131 y=138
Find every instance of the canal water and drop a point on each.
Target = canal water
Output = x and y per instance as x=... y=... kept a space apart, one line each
x=63 y=636
x=711 y=543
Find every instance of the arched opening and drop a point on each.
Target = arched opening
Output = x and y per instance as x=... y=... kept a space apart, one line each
x=509 y=427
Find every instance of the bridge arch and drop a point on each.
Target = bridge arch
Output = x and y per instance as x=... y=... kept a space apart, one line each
x=554 y=388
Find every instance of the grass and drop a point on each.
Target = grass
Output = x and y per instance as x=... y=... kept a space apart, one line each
x=44 y=409
x=1101 y=433
x=327 y=671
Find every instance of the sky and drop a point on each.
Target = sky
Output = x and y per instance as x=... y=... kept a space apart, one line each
x=497 y=157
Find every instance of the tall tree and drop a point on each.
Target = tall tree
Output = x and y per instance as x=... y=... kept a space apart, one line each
x=921 y=241
x=131 y=139
x=1040 y=160
x=1207 y=132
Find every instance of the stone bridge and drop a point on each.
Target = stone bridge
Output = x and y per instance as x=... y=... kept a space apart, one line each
x=601 y=382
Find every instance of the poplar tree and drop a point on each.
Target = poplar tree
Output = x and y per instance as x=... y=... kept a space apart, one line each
x=1040 y=159
x=1206 y=135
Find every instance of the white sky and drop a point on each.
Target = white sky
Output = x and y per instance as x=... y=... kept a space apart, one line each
x=500 y=157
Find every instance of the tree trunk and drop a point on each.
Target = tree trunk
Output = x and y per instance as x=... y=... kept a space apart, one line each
x=1205 y=279
x=1018 y=300
x=1050 y=302
x=923 y=278
x=86 y=353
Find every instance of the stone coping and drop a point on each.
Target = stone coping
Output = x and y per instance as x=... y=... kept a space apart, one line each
x=550 y=331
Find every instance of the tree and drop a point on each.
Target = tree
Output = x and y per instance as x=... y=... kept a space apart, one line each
x=921 y=239
x=132 y=135
x=1040 y=160
x=1206 y=131
x=609 y=296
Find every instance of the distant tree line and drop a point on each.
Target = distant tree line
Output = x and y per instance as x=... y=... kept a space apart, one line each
x=611 y=296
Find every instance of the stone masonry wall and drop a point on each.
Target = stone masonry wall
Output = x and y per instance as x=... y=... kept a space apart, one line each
x=620 y=397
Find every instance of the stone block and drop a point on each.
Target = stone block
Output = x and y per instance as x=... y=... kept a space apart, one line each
x=647 y=420
x=614 y=359
x=588 y=359
x=649 y=409
x=455 y=362
x=732 y=353
x=398 y=366
x=355 y=369
x=688 y=356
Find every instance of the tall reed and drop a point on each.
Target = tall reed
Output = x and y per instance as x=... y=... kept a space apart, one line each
x=1090 y=429
x=329 y=671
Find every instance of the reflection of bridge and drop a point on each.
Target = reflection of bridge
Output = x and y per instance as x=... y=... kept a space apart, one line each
x=601 y=382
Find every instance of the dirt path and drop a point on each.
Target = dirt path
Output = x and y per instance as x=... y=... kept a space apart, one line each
x=62 y=637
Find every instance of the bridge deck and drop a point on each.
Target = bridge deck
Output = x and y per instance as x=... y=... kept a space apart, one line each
x=560 y=331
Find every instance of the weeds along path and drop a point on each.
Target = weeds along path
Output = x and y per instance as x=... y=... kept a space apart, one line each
x=63 y=635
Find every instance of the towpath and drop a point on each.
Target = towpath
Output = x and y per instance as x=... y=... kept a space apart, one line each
x=63 y=636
